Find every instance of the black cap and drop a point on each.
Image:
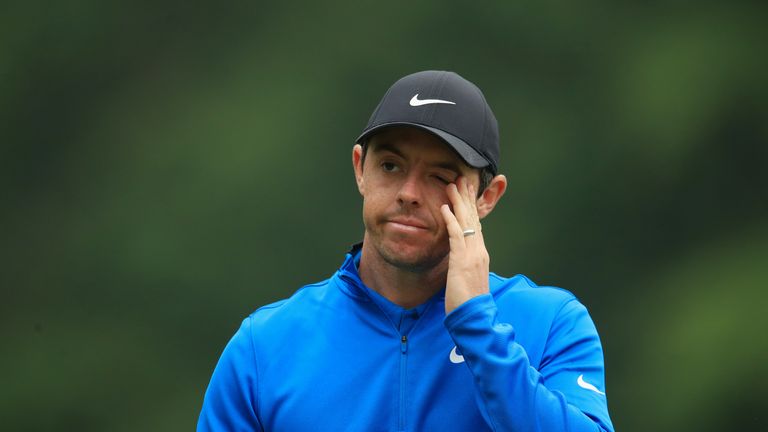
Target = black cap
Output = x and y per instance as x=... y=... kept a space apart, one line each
x=447 y=105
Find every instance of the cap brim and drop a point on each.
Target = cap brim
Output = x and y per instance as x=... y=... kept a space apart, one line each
x=470 y=155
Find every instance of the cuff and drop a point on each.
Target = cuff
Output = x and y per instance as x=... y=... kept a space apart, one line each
x=474 y=308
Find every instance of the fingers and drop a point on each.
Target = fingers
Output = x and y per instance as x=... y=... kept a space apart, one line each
x=458 y=201
x=475 y=215
x=462 y=197
x=472 y=200
x=455 y=232
x=464 y=216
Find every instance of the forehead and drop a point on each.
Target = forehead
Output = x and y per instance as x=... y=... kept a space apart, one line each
x=415 y=143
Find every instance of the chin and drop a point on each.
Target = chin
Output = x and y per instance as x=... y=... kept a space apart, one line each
x=412 y=257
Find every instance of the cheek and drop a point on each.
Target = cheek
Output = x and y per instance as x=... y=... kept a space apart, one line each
x=374 y=202
x=439 y=199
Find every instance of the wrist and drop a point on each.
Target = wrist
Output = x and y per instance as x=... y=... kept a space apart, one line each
x=454 y=302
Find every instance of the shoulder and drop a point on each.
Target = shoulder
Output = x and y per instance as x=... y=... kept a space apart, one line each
x=545 y=317
x=520 y=299
x=301 y=321
x=521 y=289
x=294 y=307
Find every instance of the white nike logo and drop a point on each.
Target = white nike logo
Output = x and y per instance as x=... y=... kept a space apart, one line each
x=456 y=357
x=585 y=385
x=415 y=101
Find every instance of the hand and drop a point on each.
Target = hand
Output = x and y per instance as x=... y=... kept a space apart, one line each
x=468 y=262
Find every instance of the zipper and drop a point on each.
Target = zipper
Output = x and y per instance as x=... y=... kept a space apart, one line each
x=403 y=354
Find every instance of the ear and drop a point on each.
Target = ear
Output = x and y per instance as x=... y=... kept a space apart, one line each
x=357 y=165
x=491 y=195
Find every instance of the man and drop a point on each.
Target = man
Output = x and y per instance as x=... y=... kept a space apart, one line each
x=413 y=333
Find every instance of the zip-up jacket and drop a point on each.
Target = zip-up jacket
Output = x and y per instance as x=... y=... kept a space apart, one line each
x=337 y=356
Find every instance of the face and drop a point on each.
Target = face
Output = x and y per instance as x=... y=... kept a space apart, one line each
x=403 y=183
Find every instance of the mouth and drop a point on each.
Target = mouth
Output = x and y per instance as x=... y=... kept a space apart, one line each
x=407 y=224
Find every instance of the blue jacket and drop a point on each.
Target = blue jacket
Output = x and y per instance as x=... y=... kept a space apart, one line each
x=337 y=356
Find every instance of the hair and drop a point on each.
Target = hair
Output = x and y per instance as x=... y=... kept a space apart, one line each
x=486 y=175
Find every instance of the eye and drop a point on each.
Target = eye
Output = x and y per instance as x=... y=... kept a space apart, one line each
x=389 y=166
x=442 y=179
x=444 y=176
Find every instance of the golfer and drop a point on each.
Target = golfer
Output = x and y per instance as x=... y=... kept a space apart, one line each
x=412 y=332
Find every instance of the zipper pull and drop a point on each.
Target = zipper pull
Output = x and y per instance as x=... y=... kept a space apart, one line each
x=403 y=344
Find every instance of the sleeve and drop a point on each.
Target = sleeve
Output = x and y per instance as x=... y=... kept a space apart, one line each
x=230 y=402
x=563 y=395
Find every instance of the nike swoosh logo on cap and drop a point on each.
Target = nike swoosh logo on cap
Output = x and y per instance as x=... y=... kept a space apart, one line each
x=585 y=385
x=415 y=101
x=456 y=357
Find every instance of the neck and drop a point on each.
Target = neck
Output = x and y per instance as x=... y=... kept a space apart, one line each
x=404 y=287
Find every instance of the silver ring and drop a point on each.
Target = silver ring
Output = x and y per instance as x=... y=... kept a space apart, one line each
x=469 y=232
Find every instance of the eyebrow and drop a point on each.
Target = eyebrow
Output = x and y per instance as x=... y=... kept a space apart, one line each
x=387 y=147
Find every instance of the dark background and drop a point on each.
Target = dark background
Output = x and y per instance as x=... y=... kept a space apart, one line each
x=166 y=168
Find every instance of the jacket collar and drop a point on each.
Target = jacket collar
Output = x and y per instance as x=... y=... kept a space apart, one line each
x=348 y=278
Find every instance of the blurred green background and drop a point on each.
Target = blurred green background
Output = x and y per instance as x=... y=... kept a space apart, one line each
x=168 y=167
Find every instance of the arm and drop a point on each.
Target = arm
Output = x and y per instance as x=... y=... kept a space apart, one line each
x=511 y=394
x=231 y=399
x=514 y=396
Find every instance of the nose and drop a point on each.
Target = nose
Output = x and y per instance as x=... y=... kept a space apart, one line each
x=409 y=194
